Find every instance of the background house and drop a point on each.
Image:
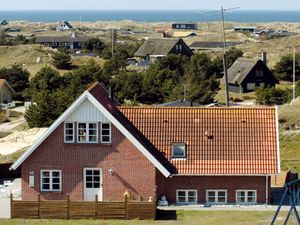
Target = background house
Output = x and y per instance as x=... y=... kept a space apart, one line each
x=210 y=45
x=244 y=29
x=153 y=49
x=64 y=25
x=190 y=155
x=185 y=26
x=68 y=42
x=245 y=75
x=6 y=92
x=4 y=23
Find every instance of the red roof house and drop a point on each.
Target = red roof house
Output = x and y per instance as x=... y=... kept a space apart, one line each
x=190 y=155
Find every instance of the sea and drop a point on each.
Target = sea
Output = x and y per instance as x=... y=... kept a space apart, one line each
x=242 y=16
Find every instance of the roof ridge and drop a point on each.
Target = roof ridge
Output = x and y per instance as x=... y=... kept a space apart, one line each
x=197 y=107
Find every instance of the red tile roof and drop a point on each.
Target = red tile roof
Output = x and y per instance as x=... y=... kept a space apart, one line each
x=229 y=141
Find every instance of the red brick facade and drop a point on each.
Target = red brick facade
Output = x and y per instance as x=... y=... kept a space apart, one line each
x=168 y=186
x=132 y=170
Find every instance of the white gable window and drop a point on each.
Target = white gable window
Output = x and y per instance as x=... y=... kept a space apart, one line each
x=69 y=132
x=178 y=150
x=186 y=196
x=216 y=196
x=51 y=180
x=87 y=132
x=105 y=133
x=246 y=196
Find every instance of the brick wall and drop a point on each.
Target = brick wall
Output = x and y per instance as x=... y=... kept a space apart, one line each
x=132 y=171
x=168 y=186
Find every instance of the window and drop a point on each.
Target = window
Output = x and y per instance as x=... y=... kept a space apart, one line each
x=69 y=132
x=67 y=44
x=105 y=133
x=216 y=196
x=251 y=86
x=87 y=133
x=179 y=150
x=186 y=196
x=50 y=180
x=246 y=196
x=54 y=44
x=178 y=47
x=259 y=73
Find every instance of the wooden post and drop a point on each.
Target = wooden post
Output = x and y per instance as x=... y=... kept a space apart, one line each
x=39 y=206
x=68 y=206
x=126 y=208
x=96 y=206
x=11 y=207
x=154 y=206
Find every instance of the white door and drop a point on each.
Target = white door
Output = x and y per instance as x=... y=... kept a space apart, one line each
x=92 y=184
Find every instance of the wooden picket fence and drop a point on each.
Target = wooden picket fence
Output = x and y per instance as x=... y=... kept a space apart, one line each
x=67 y=209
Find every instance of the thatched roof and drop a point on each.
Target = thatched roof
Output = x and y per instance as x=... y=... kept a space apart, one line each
x=51 y=39
x=240 y=69
x=159 y=47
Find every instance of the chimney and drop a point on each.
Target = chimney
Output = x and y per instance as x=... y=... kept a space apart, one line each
x=264 y=58
x=110 y=94
x=73 y=35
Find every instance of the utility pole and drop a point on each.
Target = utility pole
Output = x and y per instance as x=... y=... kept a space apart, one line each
x=294 y=73
x=225 y=60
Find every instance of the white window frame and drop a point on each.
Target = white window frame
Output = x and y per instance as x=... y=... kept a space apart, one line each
x=54 y=44
x=87 y=133
x=179 y=144
x=186 y=196
x=216 y=196
x=51 y=181
x=246 y=196
x=65 y=134
x=105 y=142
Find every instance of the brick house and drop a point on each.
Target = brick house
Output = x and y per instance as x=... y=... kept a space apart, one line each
x=190 y=155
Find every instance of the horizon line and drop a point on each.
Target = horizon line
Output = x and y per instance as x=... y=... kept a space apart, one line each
x=3 y=10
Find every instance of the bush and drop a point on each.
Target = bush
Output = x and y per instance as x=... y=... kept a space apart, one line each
x=61 y=59
x=272 y=96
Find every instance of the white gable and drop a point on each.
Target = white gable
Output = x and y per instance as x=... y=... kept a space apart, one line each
x=86 y=112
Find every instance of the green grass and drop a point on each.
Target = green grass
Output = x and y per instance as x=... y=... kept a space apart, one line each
x=290 y=151
x=183 y=218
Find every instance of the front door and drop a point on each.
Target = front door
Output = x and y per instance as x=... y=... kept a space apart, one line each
x=92 y=184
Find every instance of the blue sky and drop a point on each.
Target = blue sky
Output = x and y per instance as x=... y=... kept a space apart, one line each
x=148 y=4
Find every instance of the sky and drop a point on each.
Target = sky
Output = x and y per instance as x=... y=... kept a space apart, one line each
x=148 y=4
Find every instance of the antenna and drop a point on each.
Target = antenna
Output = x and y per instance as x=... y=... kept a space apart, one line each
x=184 y=95
x=225 y=54
x=113 y=41
x=294 y=73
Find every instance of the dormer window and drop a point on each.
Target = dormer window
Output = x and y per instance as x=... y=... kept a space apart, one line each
x=179 y=150
x=87 y=133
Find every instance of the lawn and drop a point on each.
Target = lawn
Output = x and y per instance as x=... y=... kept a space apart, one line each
x=183 y=218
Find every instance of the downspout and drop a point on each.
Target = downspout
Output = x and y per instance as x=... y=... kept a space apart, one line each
x=267 y=189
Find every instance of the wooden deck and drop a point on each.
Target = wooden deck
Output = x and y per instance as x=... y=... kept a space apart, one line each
x=66 y=209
